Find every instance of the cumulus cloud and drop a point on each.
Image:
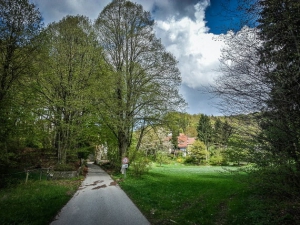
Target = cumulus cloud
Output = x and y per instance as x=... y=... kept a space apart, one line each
x=195 y=48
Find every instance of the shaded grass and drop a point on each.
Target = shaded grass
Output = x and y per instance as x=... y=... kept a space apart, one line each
x=198 y=195
x=36 y=202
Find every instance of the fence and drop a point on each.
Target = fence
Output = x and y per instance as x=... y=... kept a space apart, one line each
x=39 y=174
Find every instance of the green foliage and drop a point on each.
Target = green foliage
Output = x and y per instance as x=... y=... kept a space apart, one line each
x=205 y=130
x=238 y=149
x=68 y=76
x=161 y=157
x=20 y=25
x=135 y=94
x=199 y=153
x=217 y=157
x=140 y=165
x=114 y=157
x=282 y=181
x=279 y=28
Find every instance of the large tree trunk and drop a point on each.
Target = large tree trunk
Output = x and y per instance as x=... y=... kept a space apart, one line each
x=123 y=144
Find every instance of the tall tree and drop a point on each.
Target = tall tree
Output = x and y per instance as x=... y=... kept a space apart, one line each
x=261 y=74
x=145 y=78
x=205 y=132
x=20 y=23
x=280 y=32
x=67 y=82
x=227 y=131
x=241 y=87
x=217 y=132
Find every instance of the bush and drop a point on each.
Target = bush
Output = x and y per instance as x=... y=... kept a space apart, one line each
x=140 y=165
x=216 y=160
x=280 y=187
x=191 y=160
x=161 y=157
x=180 y=159
x=283 y=181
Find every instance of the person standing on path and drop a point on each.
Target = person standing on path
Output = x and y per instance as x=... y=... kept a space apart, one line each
x=99 y=200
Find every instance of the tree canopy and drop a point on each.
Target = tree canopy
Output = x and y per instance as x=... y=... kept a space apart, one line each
x=144 y=76
x=261 y=75
x=20 y=24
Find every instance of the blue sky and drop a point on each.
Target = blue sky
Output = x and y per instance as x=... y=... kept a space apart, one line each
x=217 y=18
x=189 y=29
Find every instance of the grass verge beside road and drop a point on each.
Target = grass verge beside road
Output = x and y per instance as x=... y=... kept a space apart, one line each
x=35 y=203
x=177 y=194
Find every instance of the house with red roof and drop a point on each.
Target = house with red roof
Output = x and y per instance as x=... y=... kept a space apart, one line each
x=184 y=142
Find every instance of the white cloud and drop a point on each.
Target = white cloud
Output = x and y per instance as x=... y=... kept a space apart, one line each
x=181 y=27
x=55 y=10
x=194 y=47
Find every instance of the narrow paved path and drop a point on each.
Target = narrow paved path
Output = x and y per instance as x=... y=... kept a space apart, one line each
x=99 y=200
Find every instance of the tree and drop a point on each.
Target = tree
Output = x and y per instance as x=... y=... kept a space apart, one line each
x=152 y=141
x=177 y=123
x=199 y=151
x=260 y=67
x=144 y=77
x=68 y=81
x=241 y=87
x=263 y=82
x=205 y=132
x=280 y=51
x=217 y=132
x=20 y=24
x=238 y=149
x=227 y=131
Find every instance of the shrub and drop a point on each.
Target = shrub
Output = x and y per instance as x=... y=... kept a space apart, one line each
x=191 y=160
x=161 y=157
x=180 y=159
x=140 y=165
x=216 y=160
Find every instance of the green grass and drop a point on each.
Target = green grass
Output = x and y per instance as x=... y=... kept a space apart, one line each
x=177 y=194
x=36 y=202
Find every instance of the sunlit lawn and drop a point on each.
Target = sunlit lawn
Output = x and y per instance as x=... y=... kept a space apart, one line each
x=177 y=194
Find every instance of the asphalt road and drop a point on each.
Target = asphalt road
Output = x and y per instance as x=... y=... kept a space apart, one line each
x=99 y=200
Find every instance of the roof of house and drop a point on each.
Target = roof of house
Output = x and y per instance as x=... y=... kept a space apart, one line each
x=184 y=141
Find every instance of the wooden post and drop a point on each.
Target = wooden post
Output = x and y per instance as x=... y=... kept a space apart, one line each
x=27 y=174
x=41 y=171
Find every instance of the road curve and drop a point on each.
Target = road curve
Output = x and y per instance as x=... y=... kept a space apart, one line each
x=99 y=200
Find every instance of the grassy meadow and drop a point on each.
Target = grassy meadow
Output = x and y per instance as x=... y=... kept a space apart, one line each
x=178 y=194
x=36 y=202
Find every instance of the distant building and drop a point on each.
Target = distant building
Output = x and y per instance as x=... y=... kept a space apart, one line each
x=183 y=143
